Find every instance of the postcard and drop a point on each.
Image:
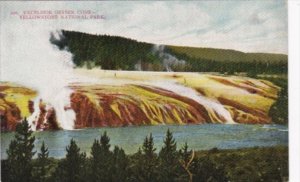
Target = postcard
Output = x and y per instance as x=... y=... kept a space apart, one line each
x=144 y=91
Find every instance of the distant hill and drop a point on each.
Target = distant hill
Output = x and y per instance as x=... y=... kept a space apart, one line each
x=119 y=53
x=226 y=54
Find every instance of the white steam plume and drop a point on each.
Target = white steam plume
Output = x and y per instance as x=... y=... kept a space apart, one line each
x=29 y=59
x=168 y=60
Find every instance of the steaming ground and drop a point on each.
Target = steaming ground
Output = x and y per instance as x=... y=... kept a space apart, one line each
x=168 y=60
x=31 y=60
x=157 y=79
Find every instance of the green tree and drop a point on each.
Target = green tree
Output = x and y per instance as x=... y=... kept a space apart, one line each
x=206 y=170
x=168 y=158
x=42 y=167
x=104 y=141
x=279 y=110
x=72 y=168
x=144 y=163
x=20 y=153
x=149 y=160
x=135 y=167
x=101 y=159
x=120 y=165
x=95 y=160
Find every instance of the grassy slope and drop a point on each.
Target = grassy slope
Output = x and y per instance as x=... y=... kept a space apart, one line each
x=226 y=54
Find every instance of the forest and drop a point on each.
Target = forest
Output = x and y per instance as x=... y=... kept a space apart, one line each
x=170 y=163
x=108 y=52
x=279 y=111
x=119 y=53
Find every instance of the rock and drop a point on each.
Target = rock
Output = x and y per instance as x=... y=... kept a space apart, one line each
x=140 y=99
x=10 y=115
x=13 y=98
x=16 y=103
x=99 y=106
x=47 y=118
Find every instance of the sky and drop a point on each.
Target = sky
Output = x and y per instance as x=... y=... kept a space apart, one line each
x=249 y=26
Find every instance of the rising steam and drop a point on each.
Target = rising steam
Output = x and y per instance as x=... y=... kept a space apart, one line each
x=168 y=60
x=31 y=60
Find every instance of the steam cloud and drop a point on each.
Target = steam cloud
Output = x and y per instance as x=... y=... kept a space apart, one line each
x=29 y=59
x=168 y=60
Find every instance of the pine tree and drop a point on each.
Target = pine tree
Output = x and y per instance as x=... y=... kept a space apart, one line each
x=20 y=153
x=95 y=160
x=12 y=163
x=104 y=140
x=106 y=158
x=72 y=168
x=168 y=158
x=101 y=159
x=148 y=147
x=136 y=164
x=41 y=171
x=120 y=165
x=149 y=168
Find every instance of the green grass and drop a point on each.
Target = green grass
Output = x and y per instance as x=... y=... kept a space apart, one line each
x=226 y=54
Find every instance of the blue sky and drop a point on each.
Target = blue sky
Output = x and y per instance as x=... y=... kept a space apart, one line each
x=249 y=26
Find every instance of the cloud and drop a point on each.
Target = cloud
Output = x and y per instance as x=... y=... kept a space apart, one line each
x=243 y=25
x=256 y=19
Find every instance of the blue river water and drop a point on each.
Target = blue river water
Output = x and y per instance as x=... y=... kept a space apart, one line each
x=198 y=137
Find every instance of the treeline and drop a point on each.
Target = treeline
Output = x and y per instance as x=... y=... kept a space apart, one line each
x=109 y=52
x=147 y=164
x=279 y=111
x=252 y=68
x=119 y=53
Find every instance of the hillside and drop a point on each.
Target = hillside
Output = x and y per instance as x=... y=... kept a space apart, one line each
x=226 y=54
x=119 y=53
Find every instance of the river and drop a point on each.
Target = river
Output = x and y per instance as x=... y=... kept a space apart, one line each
x=198 y=137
